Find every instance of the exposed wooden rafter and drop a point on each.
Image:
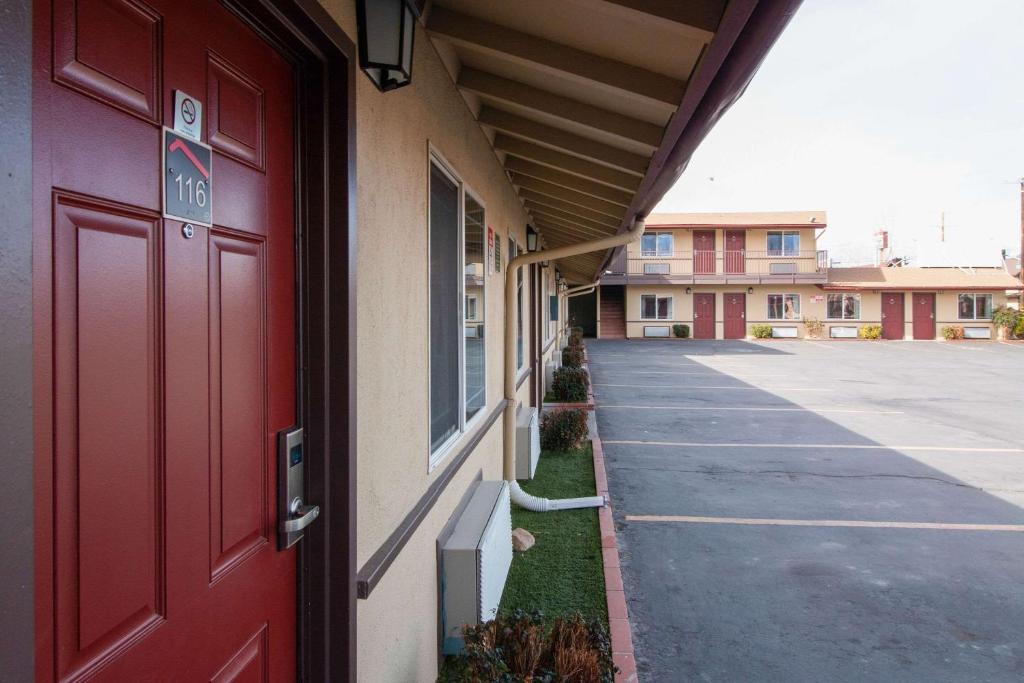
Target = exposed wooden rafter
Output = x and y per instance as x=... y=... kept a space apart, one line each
x=571 y=196
x=566 y=162
x=567 y=180
x=570 y=216
x=554 y=202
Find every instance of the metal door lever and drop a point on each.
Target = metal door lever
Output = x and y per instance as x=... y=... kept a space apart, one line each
x=302 y=516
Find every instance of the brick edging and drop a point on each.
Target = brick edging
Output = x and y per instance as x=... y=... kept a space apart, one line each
x=615 y=596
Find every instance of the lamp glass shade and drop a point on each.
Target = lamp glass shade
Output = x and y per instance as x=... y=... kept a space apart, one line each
x=531 y=240
x=386 y=32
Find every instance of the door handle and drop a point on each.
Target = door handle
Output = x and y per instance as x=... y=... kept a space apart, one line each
x=301 y=516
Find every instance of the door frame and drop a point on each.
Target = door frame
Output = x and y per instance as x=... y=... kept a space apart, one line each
x=698 y=262
x=324 y=58
x=903 y=314
x=714 y=314
x=725 y=315
x=913 y=314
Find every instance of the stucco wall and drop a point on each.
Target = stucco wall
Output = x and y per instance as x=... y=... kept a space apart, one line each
x=397 y=635
x=757 y=308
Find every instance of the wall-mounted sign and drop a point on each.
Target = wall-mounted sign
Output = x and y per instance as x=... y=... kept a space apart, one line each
x=490 y=250
x=497 y=255
x=188 y=115
x=188 y=179
x=818 y=298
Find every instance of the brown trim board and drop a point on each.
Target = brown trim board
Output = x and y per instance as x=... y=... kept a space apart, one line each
x=375 y=568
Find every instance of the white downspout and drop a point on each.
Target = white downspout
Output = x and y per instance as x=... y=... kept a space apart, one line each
x=563 y=303
x=520 y=497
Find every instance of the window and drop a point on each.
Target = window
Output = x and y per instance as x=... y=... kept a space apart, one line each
x=783 y=242
x=783 y=306
x=513 y=251
x=656 y=244
x=655 y=307
x=475 y=268
x=456 y=299
x=844 y=306
x=974 y=307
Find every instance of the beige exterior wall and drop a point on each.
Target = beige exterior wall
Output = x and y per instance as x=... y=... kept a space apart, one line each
x=813 y=304
x=397 y=634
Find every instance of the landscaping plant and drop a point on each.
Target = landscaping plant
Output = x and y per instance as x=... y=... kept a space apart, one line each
x=1018 y=330
x=572 y=356
x=870 y=332
x=1005 y=319
x=681 y=331
x=952 y=332
x=815 y=328
x=761 y=331
x=563 y=429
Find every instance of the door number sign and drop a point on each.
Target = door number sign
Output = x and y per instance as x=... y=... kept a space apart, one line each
x=188 y=179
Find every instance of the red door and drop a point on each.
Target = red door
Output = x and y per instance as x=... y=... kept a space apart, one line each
x=703 y=316
x=166 y=364
x=735 y=251
x=704 y=252
x=924 y=315
x=735 y=315
x=892 y=315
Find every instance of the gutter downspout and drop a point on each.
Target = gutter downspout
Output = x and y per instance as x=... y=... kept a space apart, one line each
x=563 y=306
x=520 y=497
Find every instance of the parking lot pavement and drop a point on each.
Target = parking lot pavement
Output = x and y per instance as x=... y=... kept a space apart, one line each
x=818 y=511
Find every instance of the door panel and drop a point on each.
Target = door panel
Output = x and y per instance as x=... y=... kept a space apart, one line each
x=173 y=357
x=703 y=316
x=703 y=252
x=735 y=251
x=924 y=315
x=892 y=315
x=735 y=315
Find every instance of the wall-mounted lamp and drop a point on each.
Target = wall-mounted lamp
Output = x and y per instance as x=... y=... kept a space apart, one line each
x=750 y=290
x=386 y=32
x=531 y=239
x=689 y=290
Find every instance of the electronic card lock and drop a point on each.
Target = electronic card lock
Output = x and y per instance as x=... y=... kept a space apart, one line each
x=293 y=513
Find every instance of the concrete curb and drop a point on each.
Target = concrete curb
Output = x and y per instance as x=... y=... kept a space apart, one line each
x=618 y=614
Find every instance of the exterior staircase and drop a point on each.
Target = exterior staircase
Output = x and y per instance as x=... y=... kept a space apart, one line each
x=613 y=312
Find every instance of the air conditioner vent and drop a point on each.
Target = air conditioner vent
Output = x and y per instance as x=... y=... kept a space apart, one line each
x=527 y=443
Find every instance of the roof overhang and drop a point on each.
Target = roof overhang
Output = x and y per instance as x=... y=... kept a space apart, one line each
x=594 y=107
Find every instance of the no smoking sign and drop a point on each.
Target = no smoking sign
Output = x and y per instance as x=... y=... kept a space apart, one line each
x=188 y=115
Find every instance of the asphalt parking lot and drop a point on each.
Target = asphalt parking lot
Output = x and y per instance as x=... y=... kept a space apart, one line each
x=818 y=511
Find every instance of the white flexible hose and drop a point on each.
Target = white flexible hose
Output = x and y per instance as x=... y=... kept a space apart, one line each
x=535 y=504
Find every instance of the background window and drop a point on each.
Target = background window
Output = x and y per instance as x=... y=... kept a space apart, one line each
x=445 y=297
x=655 y=307
x=783 y=306
x=475 y=250
x=513 y=251
x=974 y=307
x=844 y=306
x=656 y=244
x=783 y=243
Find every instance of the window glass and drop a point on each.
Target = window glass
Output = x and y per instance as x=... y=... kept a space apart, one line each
x=664 y=308
x=974 y=306
x=513 y=251
x=648 y=306
x=844 y=306
x=784 y=307
x=445 y=326
x=791 y=308
x=775 y=244
x=783 y=243
x=665 y=244
x=791 y=243
x=775 y=307
x=966 y=307
x=983 y=306
x=475 y=272
x=649 y=245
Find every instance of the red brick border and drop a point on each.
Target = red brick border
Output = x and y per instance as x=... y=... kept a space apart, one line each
x=618 y=614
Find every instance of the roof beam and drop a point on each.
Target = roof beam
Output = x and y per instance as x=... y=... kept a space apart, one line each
x=555 y=224
x=571 y=196
x=522 y=95
x=550 y=56
x=704 y=15
x=566 y=162
x=568 y=180
x=570 y=217
x=556 y=137
x=554 y=202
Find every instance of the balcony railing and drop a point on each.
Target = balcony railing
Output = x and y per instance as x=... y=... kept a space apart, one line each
x=723 y=265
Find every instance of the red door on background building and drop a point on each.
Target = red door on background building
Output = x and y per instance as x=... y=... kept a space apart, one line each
x=703 y=252
x=892 y=315
x=704 y=316
x=167 y=362
x=735 y=251
x=924 y=315
x=735 y=315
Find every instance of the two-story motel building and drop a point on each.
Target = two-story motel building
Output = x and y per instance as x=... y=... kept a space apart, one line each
x=722 y=273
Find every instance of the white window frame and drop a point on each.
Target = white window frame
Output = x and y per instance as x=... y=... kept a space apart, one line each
x=438 y=455
x=783 y=252
x=657 y=250
x=657 y=297
x=520 y=320
x=768 y=306
x=860 y=303
x=974 y=299
x=471 y=309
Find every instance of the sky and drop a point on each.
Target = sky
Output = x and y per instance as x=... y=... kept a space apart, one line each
x=884 y=114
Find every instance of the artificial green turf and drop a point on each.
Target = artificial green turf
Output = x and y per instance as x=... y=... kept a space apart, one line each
x=562 y=573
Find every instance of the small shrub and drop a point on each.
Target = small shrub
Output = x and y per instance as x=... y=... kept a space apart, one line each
x=563 y=429
x=1018 y=330
x=870 y=332
x=761 y=331
x=815 y=328
x=570 y=384
x=681 y=331
x=952 y=332
x=572 y=356
x=1005 y=318
x=575 y=339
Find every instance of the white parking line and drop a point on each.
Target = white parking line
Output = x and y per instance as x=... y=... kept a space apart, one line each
x=601 y=406
x=688 y=388
x=825 y=523
x=838 y=446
